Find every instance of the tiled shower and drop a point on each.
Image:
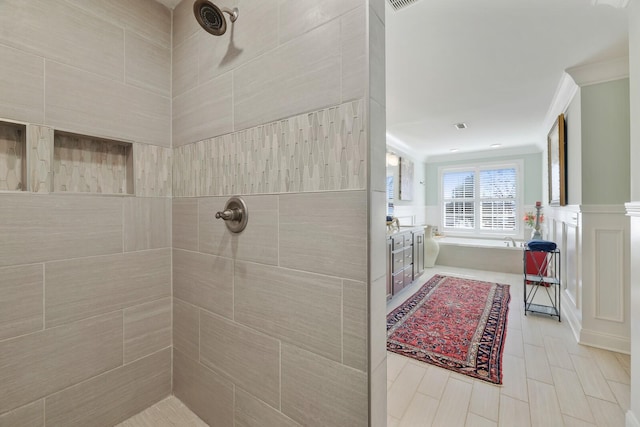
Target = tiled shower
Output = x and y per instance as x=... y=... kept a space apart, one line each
x=123 y=128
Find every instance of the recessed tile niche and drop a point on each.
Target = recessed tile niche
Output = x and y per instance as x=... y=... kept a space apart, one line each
x=13 y=159
x=85 y=164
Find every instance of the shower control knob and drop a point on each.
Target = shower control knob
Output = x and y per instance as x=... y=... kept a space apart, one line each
x=235 y=214
x=229 y=214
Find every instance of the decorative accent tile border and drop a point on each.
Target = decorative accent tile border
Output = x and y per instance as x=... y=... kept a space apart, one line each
x=320 y=151
x=12 y=157
x=152 y=170
x=40 y=158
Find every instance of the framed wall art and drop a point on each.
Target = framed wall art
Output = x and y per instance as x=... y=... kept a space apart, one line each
x=557 y=147
x=406 y=179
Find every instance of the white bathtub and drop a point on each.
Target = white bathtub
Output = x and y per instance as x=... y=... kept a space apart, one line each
x=480 y=254
x=479 y=243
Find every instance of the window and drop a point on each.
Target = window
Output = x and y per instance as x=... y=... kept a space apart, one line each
x=480 y=199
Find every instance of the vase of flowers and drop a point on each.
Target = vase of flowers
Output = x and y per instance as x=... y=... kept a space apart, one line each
x=534 y=221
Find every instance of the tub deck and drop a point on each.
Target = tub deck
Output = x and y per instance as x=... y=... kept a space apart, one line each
x=480 y=254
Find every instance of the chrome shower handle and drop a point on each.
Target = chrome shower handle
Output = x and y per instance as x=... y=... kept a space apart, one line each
x=230 y=214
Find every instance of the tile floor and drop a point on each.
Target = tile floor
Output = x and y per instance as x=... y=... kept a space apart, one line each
x=169 y=412
x=548 y=379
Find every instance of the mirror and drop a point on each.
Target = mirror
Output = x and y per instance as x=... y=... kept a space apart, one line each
x=393 y=175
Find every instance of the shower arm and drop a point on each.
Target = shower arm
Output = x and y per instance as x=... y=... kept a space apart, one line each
x=233 y=13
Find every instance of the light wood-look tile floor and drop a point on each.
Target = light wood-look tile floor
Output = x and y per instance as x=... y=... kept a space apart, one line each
x=169 y=412
x=548 y=379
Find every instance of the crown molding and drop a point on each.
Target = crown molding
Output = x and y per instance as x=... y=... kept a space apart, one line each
x=566 y=90
x=485 y=154
x=397 y=146
x=600 y=72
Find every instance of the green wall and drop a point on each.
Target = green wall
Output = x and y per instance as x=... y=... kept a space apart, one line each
x=605 y=143
x=573 y=120
x=532 y=174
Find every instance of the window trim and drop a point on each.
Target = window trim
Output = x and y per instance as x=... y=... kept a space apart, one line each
x=518 y=164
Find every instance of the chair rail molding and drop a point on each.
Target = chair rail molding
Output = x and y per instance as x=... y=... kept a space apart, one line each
x=619 y=209
x=632 y=209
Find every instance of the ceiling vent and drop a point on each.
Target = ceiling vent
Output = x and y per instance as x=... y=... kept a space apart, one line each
x=460 y=126
x=401 y=4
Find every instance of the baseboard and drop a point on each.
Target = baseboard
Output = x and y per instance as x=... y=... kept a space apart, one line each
x=631 y=420
x=605 y=341
x=570 y=316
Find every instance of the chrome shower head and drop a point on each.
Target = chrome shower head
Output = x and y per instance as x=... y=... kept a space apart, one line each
x=211 y=17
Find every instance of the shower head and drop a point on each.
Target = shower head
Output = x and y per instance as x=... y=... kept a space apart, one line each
x=211 y=17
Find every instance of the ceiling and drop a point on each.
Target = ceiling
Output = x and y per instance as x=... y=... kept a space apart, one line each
x=492 y=64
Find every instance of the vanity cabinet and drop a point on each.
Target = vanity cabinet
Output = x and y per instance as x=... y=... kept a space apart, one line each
x=405 y=259
x=389 y=264
x=398 y=263
x=418 y=250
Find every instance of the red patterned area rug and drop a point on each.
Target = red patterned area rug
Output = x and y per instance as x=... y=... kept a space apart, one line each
x=454 y=323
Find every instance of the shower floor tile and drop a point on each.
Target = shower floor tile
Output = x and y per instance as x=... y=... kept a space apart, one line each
x=169 y=412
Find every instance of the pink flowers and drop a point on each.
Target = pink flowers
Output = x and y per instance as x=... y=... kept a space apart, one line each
x=530 y=219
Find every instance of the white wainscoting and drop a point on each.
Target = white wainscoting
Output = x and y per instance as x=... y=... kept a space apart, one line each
x=633 y=211
x=594 y=244
x=564 y=228
x=606 y=278
x=609 y=251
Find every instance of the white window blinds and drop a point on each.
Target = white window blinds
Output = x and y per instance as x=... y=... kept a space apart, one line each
x=459 y=191
x=498 y=199
x=480 y=199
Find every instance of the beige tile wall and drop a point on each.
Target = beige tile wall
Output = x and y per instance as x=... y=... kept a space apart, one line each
x=299 y=76
x=112 y=356
x=22 y=290
x=103 y=308
x=206 y=393
x=275 y=112
x=85 y=279
x=22 y=85
x=251 y=412
x=235 y=312
x=113 y=396
x=96 y=68
x=281 y=59
x=377 y=205
x=31 y=415
x=80 y=288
